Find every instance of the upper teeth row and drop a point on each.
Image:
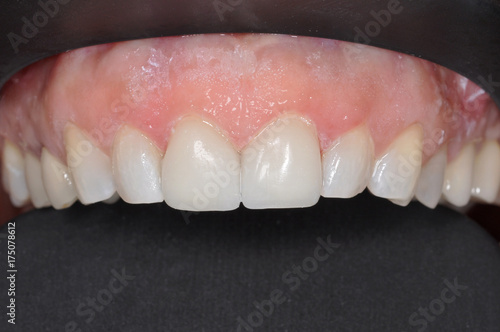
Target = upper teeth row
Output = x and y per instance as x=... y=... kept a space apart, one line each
x=282 y=167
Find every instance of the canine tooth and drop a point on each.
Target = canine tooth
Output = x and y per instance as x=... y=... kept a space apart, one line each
x=14 y=172
x=57 y=181
x=431 y=180
x=281 y=167
x=90 y=167
x=136 y=167
x=347 y=164
x=396 y=172
x=34 y=181
x=458 y=177
x=486 y=177
x=200 y=169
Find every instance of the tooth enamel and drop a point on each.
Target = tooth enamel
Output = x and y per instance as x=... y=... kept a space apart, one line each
x=34 y=181
x=136 y=167
x=113 y=199
x=396 y=172
x=458 y=177
x=57 y=181
x=347 y=164
x=430 y=184
x=200 y=169
x=89 y=166
x=281 y=167
x=486 y=177
x=14 y=176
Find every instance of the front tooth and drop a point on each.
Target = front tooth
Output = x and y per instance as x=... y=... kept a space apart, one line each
x=57 y=181
x=200 y=169
x=431 y=180
x=347 y=164
x=396 y=172
x=112 y=200
x=281 y=167
x=90 y=167
x=486 y=177
x=34 y=181
x=458 y=177
x=136 y=167
x=14 y=174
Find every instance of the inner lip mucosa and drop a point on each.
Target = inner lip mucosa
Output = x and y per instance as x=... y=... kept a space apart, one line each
x=400 y=125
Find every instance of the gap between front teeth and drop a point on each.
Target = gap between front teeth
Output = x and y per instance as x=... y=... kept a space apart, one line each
x=282 y=167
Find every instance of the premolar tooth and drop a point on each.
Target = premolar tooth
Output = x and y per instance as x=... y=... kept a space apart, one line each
x=396 y=172
x=57 y=181
x=347 y=164
x=430 y=184
x=90 y=167
x=486 y=177
x=281 y=167
x=14 y=174
x=34 y=181
x=458 y=177
x=136 y=167
x=200 y=169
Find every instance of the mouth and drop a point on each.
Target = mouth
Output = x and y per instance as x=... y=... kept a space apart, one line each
x=206 y=122
x=229 y=115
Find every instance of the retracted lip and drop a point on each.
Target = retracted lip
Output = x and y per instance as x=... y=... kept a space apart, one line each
x=461 y=35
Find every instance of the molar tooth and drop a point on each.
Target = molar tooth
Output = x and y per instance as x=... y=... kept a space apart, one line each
x=396 y=172
x=14 y=174
x=57 y=181
x=486 y=176
x=90 y=167
x=458 y=177
x=34 y=181
x=431 y=180
x=200 y=169
x=281 y=167
x=136 y=167
x=347 y=164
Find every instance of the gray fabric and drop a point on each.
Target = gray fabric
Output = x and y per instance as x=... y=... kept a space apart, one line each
x=344 y=265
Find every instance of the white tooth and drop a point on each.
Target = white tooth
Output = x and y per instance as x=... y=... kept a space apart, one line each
x=5 y=175
x=396 y=172
x=90 y=167
x=136 y=167
x=57 y=181
x=486 y=177
x=113 y=199
x=403 y=202
x=458 y=177
x=13 y=170
x=200 y=169
x=281 y=167
x=430 y=184
x=347 y=164
x=34 y=181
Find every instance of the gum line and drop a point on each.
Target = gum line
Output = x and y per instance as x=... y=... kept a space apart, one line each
x=240 y=84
